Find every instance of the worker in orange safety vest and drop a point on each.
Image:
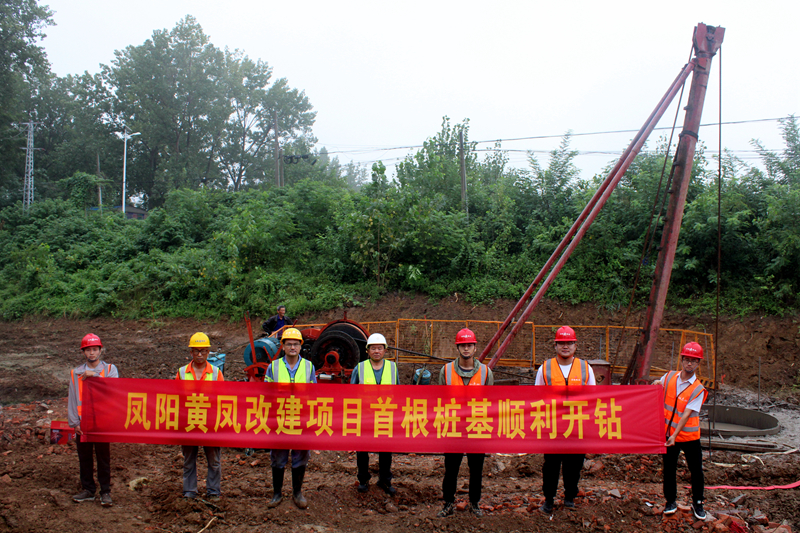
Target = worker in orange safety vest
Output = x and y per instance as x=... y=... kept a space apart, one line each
x=464 y=371
x=684 y=395
x=563 y=370
x=92 y=348
x=199 y=369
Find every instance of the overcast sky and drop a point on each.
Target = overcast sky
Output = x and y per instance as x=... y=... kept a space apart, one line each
x=382 y=75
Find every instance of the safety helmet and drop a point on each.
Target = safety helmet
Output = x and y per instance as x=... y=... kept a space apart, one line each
x=466 y=336
x=376 y=338
x=565 y=334
x=91 y=340
x=692 y=349
x=291 y=333
x=199 y=340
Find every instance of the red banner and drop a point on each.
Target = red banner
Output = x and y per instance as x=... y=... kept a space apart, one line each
x=400 y=418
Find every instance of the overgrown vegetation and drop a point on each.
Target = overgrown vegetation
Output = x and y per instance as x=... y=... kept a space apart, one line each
x=221 y=237
x=320 y=244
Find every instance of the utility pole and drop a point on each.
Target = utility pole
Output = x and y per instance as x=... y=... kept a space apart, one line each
x=277 y=151
x=27 y=184
x=125 y=137
x=463 y=167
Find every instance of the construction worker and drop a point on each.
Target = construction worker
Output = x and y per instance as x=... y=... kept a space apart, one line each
x=465 y=371
x=276 y=322
x=375 y=371
x=563 y=370
x=92 y=349
x=201 y=370
x=291 y=368
x=684 y=395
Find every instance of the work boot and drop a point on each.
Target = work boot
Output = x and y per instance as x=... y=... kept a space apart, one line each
x=363 y=487
x=277 y=487
x=474 y=509
x=84 y=496
x=387 y=487
x=105 y=500
x=448 y=509
x=297 y=487
x=547 y=506
x=697 y=509
x=569 y=504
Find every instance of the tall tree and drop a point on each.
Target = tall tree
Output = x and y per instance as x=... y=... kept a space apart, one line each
x=22 y=24
x=250 y=132
x=171 y=89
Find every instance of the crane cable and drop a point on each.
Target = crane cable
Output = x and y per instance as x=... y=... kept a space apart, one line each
x=712 y=420
x=650 y=235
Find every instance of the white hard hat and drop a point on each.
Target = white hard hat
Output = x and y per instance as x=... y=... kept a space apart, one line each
x=377 y=338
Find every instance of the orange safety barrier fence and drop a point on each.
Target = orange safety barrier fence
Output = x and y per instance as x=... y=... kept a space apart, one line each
x=534 y=343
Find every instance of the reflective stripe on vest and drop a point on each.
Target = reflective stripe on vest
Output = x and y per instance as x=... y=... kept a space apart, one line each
x=187 y=374
x=80 y=386
x=578 y=374
x=367 y=374
x=675 y=405
x=280 y=371
x=453 y=378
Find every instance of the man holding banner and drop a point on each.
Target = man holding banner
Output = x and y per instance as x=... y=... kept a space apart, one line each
x=92 y=349
x=465 y=371
x=684 y=395
x=563 y=370
x=291 y=368
x=201 y=370
x=375 y=371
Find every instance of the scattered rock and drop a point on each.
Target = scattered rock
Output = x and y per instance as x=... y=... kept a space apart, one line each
x=5 y=479
x=390 y=507
x=138 y=483
x=615 y=493
x=461 y=506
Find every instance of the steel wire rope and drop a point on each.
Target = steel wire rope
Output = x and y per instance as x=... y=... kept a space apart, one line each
x=649 y=237
x=712 y=423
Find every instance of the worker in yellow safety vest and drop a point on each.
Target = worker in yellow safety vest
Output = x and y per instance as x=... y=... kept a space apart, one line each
x=291 y=368
x=199 y=369
x=464 y=371
x=375 y=371
x=684 y=395
x=563 y=370
x=92 y=349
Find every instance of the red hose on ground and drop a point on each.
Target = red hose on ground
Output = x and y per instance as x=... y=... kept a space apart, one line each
x=773 y=487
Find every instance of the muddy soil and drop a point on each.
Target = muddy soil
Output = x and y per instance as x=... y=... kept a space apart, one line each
x=619 y=492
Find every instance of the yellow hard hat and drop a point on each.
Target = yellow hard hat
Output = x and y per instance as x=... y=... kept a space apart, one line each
x=199 y=340
x=291 y=333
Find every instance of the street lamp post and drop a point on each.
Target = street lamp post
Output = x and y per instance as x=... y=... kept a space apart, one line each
x=125 y=137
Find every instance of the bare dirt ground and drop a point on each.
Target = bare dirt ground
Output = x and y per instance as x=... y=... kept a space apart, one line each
x=619 y=492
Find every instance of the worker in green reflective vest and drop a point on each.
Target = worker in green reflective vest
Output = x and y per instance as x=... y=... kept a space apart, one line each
x=375 y=371
x=291 y=368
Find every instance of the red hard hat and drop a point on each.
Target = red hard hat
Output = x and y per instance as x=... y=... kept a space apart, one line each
x=91 y=340
x=565 y=334
x=692 y=349
x=466 y=336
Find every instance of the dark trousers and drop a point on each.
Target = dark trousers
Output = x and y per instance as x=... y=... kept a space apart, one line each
x=452 y=463
x=554 y=463
x=694 y=460
x=86 y=451
x=384 y=465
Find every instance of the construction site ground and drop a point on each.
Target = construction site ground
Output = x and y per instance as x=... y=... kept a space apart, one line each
x=618 y=492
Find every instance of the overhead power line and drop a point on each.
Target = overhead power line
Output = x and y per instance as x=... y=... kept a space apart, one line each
x=368 y=150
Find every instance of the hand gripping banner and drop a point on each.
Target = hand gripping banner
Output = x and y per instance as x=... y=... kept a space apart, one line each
x=399 y=418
